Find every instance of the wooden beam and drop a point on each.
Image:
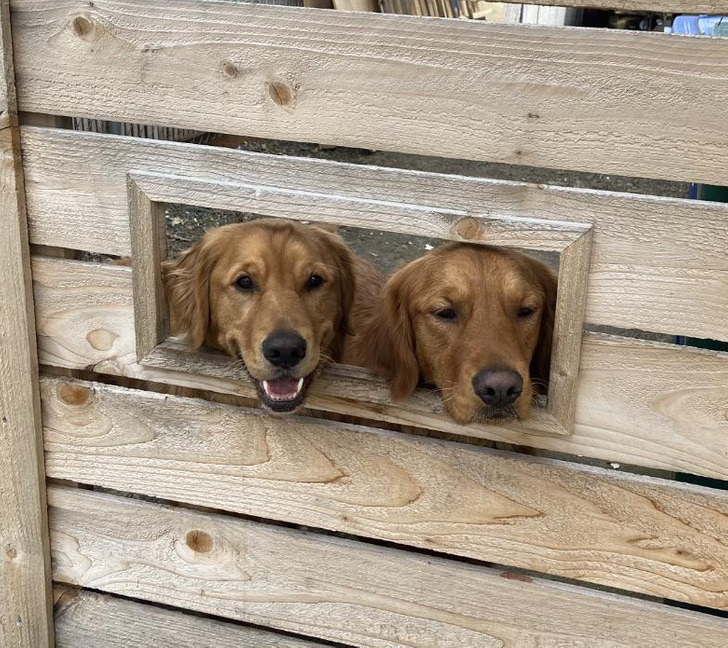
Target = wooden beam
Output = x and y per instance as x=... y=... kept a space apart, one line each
x=638 y=402
x=657 y=264
x=25 y=595
x=626 y=531
x=86 y=618
x=341 y=590
x=604 y=101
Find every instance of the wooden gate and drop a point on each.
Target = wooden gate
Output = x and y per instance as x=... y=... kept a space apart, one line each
x=178 y=520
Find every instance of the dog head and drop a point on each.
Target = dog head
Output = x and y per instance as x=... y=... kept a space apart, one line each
x=274 y=293
x=475 y=321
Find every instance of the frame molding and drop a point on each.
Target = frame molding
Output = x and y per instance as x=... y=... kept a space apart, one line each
x=148 y=192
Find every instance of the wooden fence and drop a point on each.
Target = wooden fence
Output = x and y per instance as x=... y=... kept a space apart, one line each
x=407 y=539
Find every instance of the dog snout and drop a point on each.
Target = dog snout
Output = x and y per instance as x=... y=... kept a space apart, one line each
x=498 y=387
x=284 y=349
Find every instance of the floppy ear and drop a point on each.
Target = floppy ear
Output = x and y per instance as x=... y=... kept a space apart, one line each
x=347 y=290
x=541 y=360
x=396 y=349
x=186 y=284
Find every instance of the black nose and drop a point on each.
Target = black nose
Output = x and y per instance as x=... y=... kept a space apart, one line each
x=498 y=387
x=284 y=349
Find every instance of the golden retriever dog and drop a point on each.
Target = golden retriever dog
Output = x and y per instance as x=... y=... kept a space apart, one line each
x=273 y=293
x=474 y=320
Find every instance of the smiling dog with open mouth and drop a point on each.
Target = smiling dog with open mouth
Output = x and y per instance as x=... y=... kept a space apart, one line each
x=474 y=320
x=271 y=292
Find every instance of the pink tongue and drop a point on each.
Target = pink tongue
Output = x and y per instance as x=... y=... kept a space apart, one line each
x=283 y=387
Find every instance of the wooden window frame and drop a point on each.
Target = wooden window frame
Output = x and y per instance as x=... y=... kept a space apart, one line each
x=149 y=192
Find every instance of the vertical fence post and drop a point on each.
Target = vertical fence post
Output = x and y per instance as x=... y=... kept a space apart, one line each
x=25 y=586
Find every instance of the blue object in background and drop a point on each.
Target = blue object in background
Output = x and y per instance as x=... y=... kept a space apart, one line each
x=703 y=25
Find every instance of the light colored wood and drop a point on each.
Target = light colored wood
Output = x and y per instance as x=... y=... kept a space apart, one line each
x=606 y=101
x=635 y=533
x=89 y=619
x=312 y=206
x=341 y=590
x=658 y=264
x=149 y=245
x=149 y=192
x=668 y=6
x=568 y=327
x=638 y=402
x=25 y=595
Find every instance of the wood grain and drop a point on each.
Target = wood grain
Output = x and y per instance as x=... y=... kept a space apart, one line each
x=637 y=402
x=311 y=206
x=658 y=264
x=25 y=601
x=341 y=590
x=568 y=327
x=149 y=245
x=606 y=101
x=86 y=618
x=645 y=535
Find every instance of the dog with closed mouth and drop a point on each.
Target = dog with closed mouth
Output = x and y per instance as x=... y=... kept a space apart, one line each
x=274 y=293
x=475 y=321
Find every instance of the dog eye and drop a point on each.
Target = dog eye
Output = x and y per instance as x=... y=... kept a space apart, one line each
x=525 y=311
x=447 y=314
x=244 y=282
x=314 y=281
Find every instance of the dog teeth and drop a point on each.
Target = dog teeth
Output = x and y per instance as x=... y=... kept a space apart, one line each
x=282 y=397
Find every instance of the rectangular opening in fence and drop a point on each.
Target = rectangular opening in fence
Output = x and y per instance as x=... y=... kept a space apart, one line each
x=148 y=193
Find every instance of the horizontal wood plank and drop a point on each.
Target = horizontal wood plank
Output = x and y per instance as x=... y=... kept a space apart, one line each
x=637 y=402
x=647 y=535
x=86 y=618
x=341 y=590
x=657 y=264
x=605 y=101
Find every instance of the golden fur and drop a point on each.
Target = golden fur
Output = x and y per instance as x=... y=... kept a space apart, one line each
x=241 y=286
x=502 y=306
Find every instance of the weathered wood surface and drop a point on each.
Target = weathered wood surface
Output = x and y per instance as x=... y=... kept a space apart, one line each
x=606 y=101
x=658 y=264
x=91 y=620
x=637 y=402
x=341 y=590
x=646 y=535
x=568 y=329
x=25 y=602
x=149 y=249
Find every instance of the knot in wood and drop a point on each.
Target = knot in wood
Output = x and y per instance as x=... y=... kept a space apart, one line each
x=82 y=26
x=75 y=395
x=280 y=93
x=199 y=541
x=101 y=339
x=228 y=69
x=469 y=229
